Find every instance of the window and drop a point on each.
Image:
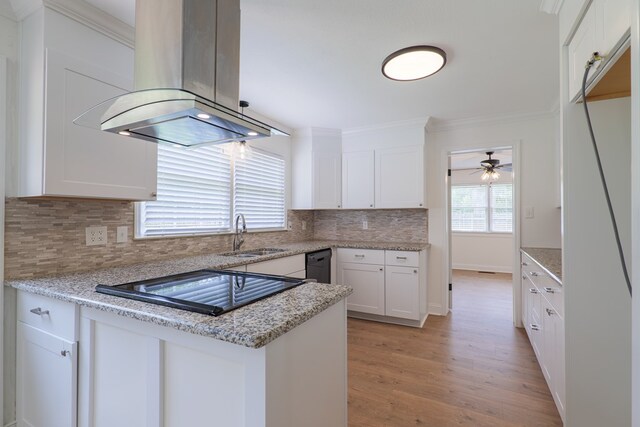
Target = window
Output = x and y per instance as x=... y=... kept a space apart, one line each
x=201 y=189
x=482 y=208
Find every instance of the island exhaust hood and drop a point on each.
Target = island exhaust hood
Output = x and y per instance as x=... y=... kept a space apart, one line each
x=187 y=62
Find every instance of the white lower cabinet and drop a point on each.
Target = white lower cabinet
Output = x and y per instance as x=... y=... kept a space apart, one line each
x=543 y=303
x=402 y=289
x=388 y=286
x=46 y=362
x=368 y=284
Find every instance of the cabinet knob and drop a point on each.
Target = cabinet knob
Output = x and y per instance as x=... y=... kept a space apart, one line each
x=370 y=206
x=415 y=271
x=39 y=312
x=154 y=194
x=65 y=353
x=338 y=205
x=381 y=269
x=524 y=264
x=420 y=204
x=524 y=277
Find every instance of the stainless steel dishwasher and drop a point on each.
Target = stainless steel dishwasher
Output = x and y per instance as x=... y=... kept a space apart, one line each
x=319 y=266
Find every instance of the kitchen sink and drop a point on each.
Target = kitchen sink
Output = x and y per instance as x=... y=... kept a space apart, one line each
x=249 y=253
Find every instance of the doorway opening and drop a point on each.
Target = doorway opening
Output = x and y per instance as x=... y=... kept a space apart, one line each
x=481 y=211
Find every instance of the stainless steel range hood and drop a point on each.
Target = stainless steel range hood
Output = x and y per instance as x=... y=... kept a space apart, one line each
x=187 y=62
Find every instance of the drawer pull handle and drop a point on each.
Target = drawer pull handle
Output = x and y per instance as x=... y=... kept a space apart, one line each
x=549 y=290
x=533 y=290
x=381 y=269
x=524 y=277
x=534 y=273
x=359 y=256
x=40 y=312
x=524 y=264
x=415 y=271
x=549 y=311
x=535 y=327
x=65 y=353
x=401 y=257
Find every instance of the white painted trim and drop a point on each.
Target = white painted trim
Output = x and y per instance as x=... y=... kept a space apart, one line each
x=436 y=309
x=82 y=12
x=475 y=234
x=3 y=145
x=478 y=267
x=402 y=123
x=447 y=125
x=13 y=424
x=551 y=7
x=445 y=152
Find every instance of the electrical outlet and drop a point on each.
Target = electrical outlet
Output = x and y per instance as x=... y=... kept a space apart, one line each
x=96 y=236
x=365 y=224
x=304 y=225
x=122 y=234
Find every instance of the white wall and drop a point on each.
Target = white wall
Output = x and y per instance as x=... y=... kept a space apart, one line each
x=539 y=184
x=597 y=304
x=481 y=251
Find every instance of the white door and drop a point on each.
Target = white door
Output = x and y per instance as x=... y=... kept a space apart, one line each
x=358 y=180
x=367 y=282
x=399 y=178
x=402 y=292
x=327 y=185
x=47 y=369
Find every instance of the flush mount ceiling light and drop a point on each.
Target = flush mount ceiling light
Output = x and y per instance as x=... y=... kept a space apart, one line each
x=414 y=63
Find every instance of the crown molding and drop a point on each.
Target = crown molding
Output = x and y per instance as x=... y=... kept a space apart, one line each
x=456 y=124
x=82 y=12
x=551 y=7
x=423 y=121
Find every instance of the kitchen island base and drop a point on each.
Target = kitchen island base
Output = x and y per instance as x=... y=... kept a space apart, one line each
x=137 y=373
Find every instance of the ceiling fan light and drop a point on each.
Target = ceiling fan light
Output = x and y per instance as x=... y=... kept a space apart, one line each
x=414 y=63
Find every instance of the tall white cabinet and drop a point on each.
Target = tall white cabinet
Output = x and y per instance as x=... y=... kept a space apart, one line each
x=72 y=68
x=358 y=189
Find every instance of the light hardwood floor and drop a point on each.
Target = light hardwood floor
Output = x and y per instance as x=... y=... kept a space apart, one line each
x=471 y=368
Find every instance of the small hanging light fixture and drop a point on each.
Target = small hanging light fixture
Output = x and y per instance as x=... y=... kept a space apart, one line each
x=414 y=63
x=490 y=174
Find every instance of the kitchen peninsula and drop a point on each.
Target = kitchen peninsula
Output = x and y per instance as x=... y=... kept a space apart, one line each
x=279 y=362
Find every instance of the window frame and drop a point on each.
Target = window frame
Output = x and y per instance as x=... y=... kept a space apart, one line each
x=488 y=209
x=138 y=206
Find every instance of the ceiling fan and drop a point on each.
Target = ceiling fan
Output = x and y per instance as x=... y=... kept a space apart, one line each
x=490 y=167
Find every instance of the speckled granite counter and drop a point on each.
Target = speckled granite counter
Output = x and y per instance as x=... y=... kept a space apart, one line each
x=254 y=325
x=549 y=259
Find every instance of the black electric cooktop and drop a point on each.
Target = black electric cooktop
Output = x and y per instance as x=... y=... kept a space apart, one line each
x=204 y=291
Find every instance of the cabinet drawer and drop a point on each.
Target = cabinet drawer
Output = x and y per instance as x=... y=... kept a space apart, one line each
x=402 y=258
x=47 y=314
x=530 y=267
x=361 y=256
x=552 y=292
x=280 y=266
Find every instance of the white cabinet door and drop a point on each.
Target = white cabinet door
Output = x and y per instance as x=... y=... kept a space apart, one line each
x=402 y=292
x=614 y=18
x=525 y=286
x=367 y=282
x=358 y=180
x=84 y=162
x=399 y=177
x=47 y=369
x=582 y=46
x=327 y=183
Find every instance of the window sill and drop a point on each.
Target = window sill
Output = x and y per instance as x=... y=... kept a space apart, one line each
x=222 y=233
x=481 y=234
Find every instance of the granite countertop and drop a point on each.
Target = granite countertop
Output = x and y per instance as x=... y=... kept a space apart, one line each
x=254 y=325
x=549 y=259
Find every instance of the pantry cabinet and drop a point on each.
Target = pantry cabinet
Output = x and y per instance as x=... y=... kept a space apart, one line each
x=59 y=158
x=604 y=28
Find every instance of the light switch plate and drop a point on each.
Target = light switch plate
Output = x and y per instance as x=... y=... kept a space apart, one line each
x=528 y=212
x=122 y=234
x=304 y=225
x=365 y=224
x=96 y=236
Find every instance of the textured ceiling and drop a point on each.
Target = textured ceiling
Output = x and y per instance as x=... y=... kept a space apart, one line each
x=317 y=63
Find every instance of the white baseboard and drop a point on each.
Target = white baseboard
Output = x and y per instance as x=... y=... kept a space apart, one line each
x=436 y=310
x=492 y=268
x=13 y=424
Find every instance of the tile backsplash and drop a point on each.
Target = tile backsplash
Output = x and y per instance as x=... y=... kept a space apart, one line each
x=47 y=236
x=386 y=225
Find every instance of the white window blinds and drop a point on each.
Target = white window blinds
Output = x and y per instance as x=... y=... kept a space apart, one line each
x=469 y=208
x=501 y=202
x=194 y=193
x=260 y=189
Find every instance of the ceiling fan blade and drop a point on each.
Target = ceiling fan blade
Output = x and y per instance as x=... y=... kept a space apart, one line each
x=477 y=171
x=505 y=164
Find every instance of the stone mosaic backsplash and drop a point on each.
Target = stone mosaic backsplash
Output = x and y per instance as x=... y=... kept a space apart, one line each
x=386 y=225
x=45 y=237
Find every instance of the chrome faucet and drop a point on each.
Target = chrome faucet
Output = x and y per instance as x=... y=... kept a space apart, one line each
x=238 y=239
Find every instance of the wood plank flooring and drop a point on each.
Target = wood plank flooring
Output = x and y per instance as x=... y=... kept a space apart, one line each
x=471 y=368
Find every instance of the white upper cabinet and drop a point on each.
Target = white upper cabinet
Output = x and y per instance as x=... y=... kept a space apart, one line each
x=603 y=28
x=399 y=177
x=317 y=169
x=357 y=180
x=72 y=68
